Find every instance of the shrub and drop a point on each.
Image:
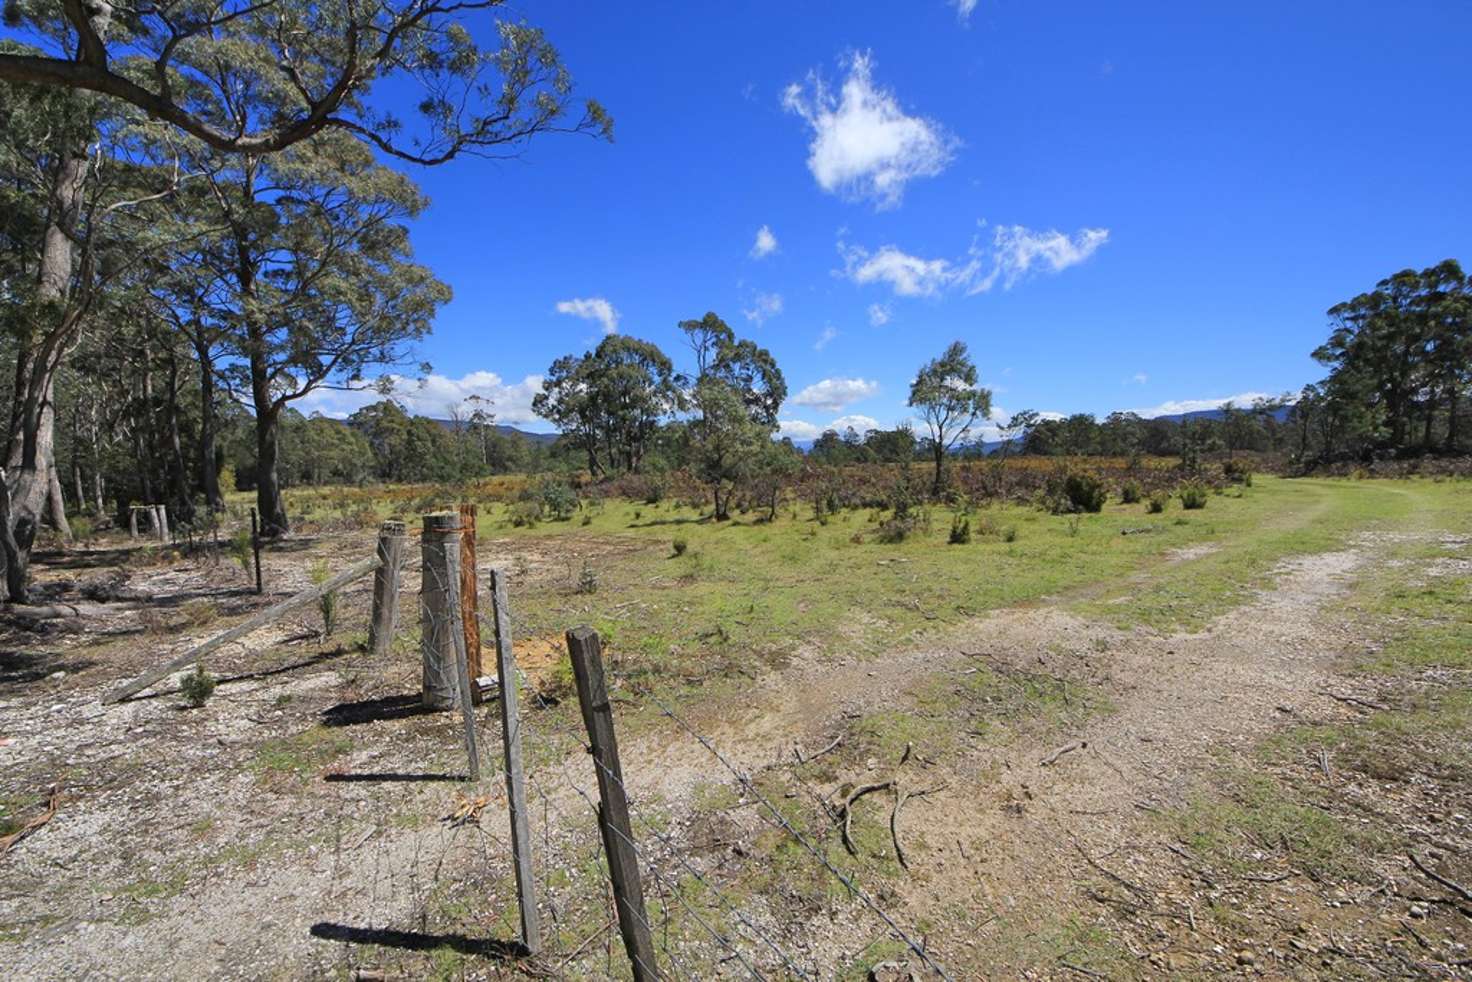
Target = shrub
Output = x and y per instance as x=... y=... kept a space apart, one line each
x=588 y=579
x=960 y=531
x=896 y=530
x=526 y=514
x=1157 y=502
x=680 y=545
x=1009 y=534
x=1129 y=492
x=240 y=548
x=82 y=529
x=1072 y=526
x=559 y=499
x=1074 y=492
x=327 y=603
x=1193 y=496
x=197 y=686
x=1237 y=472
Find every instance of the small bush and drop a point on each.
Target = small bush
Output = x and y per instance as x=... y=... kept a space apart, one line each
x=895 y=530
x=327 y=603
x=526 y=514
x=1009 y=534
x=197 y=686
x=1193 y=496
x=588 y=579
x=1237 y=472
x=680 y=545
x=960 y=531
x=559 y=500
x=1157 y=502
x=1129 y=492
x=240 y=549
x=1072 y=526
x=1074 y=492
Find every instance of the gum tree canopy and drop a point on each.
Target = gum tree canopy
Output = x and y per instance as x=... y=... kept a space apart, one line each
x=326 y=60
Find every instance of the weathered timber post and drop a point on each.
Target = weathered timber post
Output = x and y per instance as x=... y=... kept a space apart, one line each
x=255 y=545
x=613 y=813
x=446 y=673
x=521 y=837
x=393 y=543
x=132 y=522
x=161 y=519
x=470 y=598
x=440 y=548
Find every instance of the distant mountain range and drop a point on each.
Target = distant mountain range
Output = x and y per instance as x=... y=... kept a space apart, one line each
x=542 y=439
x=537 y=438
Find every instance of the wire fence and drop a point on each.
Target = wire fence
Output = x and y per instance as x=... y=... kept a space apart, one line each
x=700 y=926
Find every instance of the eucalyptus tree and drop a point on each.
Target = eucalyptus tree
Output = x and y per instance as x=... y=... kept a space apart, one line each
x=330 y=61
x=610 y=401
x=316 y=282
x=83 y=187
x=950 y=402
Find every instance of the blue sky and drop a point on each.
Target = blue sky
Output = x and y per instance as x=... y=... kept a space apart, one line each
x=1117 y=206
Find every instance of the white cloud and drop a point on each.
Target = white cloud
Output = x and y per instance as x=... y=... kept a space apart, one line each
x=963 y=9
x=833 y=394
x=1015 y=253
x=592 y=309
x=1139 y=378
x=906 y=275
x=765 y=244
x=829 y=333
x=434 y=395
x=879 y=314
x=764 y=306
x=864 y=144
x=799 y=429
x=863 y=424
x=1178 y=406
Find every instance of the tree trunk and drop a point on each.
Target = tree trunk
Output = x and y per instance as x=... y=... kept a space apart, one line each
x=178 y=473
x=209 y=474
x=268 y=484
x=940 y=459
x=56 y=507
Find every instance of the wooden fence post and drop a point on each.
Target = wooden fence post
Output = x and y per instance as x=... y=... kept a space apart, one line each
x=613 y=813
x=392 y=544
x=132 y=522
x=162 y=521
x=444 y=655
x=255 y=545
x=437 y=650
x=470 y=599
x=521 y=838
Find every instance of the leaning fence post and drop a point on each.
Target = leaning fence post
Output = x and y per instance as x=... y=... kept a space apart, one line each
x=132 y=521
x=392 y=543
x=521 y=837
x=613 y=814
x=446 y=673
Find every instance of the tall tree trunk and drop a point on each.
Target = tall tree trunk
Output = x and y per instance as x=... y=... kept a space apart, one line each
x=30 y=453
x=940 y=459
x=268 y=484
x=178 y=473
x=56 y=507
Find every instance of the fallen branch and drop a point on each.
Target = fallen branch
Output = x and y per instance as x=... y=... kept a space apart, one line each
x=894 y=826
x=53 y=800
x=1052 y=758
x=1451 y=885
x=1356 y=701
x=848 y=810
x=797 y=751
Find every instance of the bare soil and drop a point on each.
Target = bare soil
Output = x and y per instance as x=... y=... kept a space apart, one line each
x=292 y=827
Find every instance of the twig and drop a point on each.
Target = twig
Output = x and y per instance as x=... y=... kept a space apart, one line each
x=1082 y=971
x=1324 y=765
x=1052 y=758
x=848 y=810
x=1139 y=891
x=1355 y=701
x=894 y=826
x=53 y=800
x=1452 y=885
x=797 y=751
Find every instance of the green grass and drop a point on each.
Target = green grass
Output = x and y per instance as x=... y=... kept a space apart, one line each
x=301 y=755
